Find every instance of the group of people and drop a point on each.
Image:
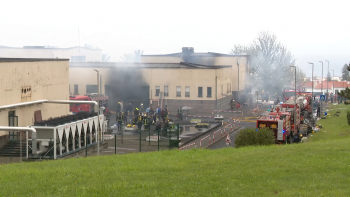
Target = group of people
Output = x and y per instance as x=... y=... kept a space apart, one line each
x=140 y=117
x=233 y=105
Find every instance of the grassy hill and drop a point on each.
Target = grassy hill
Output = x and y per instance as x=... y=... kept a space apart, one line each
x=320 y=168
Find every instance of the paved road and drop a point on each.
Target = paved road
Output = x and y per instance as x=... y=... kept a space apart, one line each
x=222 y=144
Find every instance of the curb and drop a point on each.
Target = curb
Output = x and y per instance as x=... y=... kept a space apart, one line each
x=222 y=137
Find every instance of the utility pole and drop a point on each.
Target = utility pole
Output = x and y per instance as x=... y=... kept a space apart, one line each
x=295 y=97
x=333 y=82
x=327 y=79
x=99 y=113
x=238 y=82
x=321 y=85
x=312 y=100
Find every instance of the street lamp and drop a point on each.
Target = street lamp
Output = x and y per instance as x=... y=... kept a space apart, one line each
x=98 y=125
x=333 y=82
x=295 y=97
x=321 y=84
x=327 y=79
x=238 y=82
x=312 y=99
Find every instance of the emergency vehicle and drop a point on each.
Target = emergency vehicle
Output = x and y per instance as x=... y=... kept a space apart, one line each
x=101 y=99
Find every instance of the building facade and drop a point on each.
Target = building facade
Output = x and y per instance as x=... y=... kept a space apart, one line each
x=24 y=80
x=74 y=54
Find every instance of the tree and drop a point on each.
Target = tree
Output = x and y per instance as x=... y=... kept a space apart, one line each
x=105 y=58
x=329 y=78
x=270 y=62
x=345 y=72
x=345 y=93
x=132 y=57
x=88 y=46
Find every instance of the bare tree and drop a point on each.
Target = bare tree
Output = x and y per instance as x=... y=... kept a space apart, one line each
x=132 y=57
x=269 y=60
x=105 y=58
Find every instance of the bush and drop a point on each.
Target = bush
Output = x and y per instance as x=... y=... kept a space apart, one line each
x=348 y=116
x=253 y=137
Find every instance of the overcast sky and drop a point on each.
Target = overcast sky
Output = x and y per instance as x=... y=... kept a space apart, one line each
x=312 y=30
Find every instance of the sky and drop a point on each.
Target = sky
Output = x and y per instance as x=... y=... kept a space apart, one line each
x=313 y=30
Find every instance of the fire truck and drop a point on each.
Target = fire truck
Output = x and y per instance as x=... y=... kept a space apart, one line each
x=281 y=118
x=101 y=99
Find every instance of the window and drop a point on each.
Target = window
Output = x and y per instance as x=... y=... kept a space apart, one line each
x=178 y=91
x=208 y=91
x=187 y=91
x=222 y=89
x=76 y=92
x=157 y=90
x=78 y=59
x=166 y=91
x=91 y=89
x=200 y=91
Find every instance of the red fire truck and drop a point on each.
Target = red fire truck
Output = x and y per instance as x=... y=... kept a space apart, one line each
x=101 y=99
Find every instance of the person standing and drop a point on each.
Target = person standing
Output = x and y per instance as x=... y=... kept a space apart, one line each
x=118 y=108
x=120 y=121
x=141 y=107
x=147 y=111
x=121 y=106
x=179 y=113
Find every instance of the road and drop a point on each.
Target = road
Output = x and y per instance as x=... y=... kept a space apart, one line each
x=222 y=143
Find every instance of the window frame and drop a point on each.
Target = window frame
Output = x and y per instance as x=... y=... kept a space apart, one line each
x=200 y=95
x=178 y=94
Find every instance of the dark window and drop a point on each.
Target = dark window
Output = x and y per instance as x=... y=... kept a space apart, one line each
x=78 y=59
x=200 y=91
x=208 y=91
x=187 y=91
x=166 y=91
x=157 y=90
x=76 y=92
x=91 y=89
x=178 y=91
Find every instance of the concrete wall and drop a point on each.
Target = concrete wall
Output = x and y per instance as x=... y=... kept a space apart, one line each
x=92 y=55
x=46 y=80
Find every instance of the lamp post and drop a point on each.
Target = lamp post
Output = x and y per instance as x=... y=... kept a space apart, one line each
x=295 y=97
x=333 y=82
x=238 y=82
x=312 y=100
x=321 y=84
x=98 y=125
x=327 y=78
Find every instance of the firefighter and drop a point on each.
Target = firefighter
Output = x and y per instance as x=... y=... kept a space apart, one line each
x=139 y=121
x=125 y=119
x=136 y=111
x=120 y=120
x=166 y=112
x=134 y=121
x=118 y=108
x=154 y=118
x=141 y=107
x=232 y=104
x=146 y=123
x=179 y=113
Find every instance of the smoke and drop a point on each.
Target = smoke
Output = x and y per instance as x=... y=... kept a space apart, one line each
x=128 y=85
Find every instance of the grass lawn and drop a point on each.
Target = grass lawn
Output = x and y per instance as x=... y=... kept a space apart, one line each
x=334 y=127
x=320 y=168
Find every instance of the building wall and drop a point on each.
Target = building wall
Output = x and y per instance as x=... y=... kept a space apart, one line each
x=92 y=55
x=46 y=79
x=209 y=59
x=171 y=77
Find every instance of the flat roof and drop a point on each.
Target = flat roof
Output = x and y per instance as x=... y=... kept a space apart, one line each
x=44 y=47
x=144 y=65
x=208 y=54
x=3 y=59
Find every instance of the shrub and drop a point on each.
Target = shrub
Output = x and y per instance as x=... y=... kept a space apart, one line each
x=253 y=137
x=348 y=116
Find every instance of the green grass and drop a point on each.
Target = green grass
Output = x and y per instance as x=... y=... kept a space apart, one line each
x=334 y=127
x=320 y=168
x=313 y=169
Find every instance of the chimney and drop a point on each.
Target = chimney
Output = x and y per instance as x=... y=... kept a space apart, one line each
x=186 y=53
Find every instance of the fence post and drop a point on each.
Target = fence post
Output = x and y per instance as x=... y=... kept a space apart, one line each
x=115 y=144
x=178 y=135
x=140 y=140
x=209 y=139
x=169 y=138
x=121 y=126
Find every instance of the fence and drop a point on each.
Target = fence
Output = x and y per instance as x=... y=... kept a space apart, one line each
x=222 y=132
x=189 y=146
x=227 y=111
